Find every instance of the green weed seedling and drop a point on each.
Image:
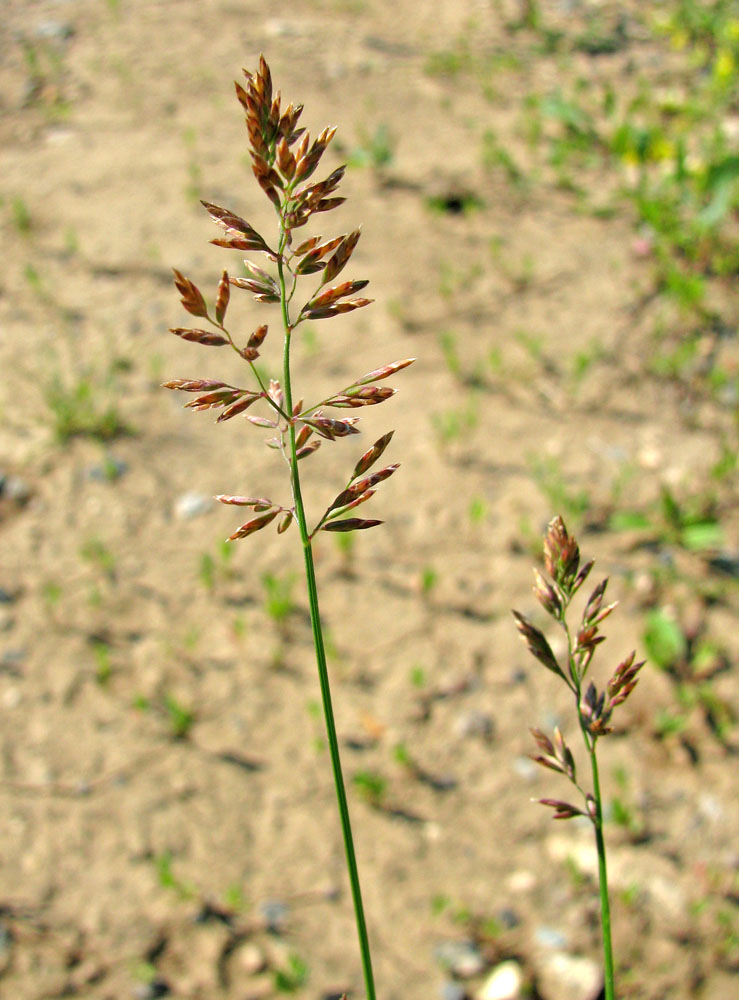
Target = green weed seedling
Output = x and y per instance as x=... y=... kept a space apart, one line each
x=429 y=581
x=376 y=150
x=78 y=409
x=346 y=545
x=167 y=878
x=95 y=552
x=452 y=425
x=51 y=594
x=293 y=977
x=372 y=787
x=548 y=476
x=194 y=173
x=477 y=511
x=691 y=661
x=496 y=157
x=104 y=666
x=215 y=568
x=690 y=523
x=279 y=603
x=181 y=718
x=21 y=216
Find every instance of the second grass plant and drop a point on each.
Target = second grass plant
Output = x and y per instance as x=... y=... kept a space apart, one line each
x=283 y=160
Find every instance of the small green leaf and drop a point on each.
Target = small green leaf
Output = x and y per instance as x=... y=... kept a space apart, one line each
x=664 y=640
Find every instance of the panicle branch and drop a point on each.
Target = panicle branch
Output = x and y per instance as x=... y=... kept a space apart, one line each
x=284 y=160
x=594 y=708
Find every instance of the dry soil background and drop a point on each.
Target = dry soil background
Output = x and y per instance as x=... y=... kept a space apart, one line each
x=167 y=824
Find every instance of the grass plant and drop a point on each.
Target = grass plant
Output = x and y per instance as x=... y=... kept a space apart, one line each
x=594 y=709
x=283 y=161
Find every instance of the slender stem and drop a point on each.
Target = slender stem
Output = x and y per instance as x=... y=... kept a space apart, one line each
x=318 y=642
x=605 y=909
x=590 y=743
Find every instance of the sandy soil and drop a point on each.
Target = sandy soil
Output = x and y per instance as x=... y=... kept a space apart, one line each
x=136 y=863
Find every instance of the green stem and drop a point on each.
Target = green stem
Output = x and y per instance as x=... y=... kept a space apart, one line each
x=605 y=909
x=590 y=742
x=318 y=642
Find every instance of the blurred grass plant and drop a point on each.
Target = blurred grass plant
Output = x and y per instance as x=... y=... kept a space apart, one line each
x=594 y=709
x=283 y=161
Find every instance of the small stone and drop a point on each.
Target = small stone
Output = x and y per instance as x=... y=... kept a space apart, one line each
x=108 y=470
x=521 y=880
x=15 y=489
x=474 y=723
x=275 y=914
x=6 y=597
x=191 y=505
x=452 y=991
x=279 y=28
x=251 y=959
x=550 y=937
x=461 y=958
x=11 y=698
x=525 y=768
x=505 y=982
x=152 y=990
x=59 y=31
x=11 y=661
x=508 y=918
x=569 y=977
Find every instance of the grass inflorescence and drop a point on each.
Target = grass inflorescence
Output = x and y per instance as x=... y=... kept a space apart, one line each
x=594 y=708
x=284 y=160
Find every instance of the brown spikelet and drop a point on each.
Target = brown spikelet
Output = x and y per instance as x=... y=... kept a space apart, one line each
x=385 y=372
x=258 y=503
x=224 y=294
x=561 y=554
x=538 y=645
x=192 y=298
x=240 y=235
x=341 y=257
x=562 y=810
x=366 y=396
x=210 y=399
x=256 y=524
x=195 y=385
x=199 y=336
x=372 y=455
x=333 y=294
x=349 y=524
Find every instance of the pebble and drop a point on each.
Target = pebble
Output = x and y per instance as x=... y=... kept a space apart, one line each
x=11 y=661
x=508 y=917
x=450 y=990
x=15 y=489
x=108 y=470
x=251 y=959
x=151 y=991
x=505 y=982
x=521 y=880
x=550 y=937
x=60 y=31
x=569 y=977
x=461 y=958
x=6 y=597
x=191 y=505
x=11 y=698
x=274 y=913
x=474 y=723
x=582 y=854
x=525 y=768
